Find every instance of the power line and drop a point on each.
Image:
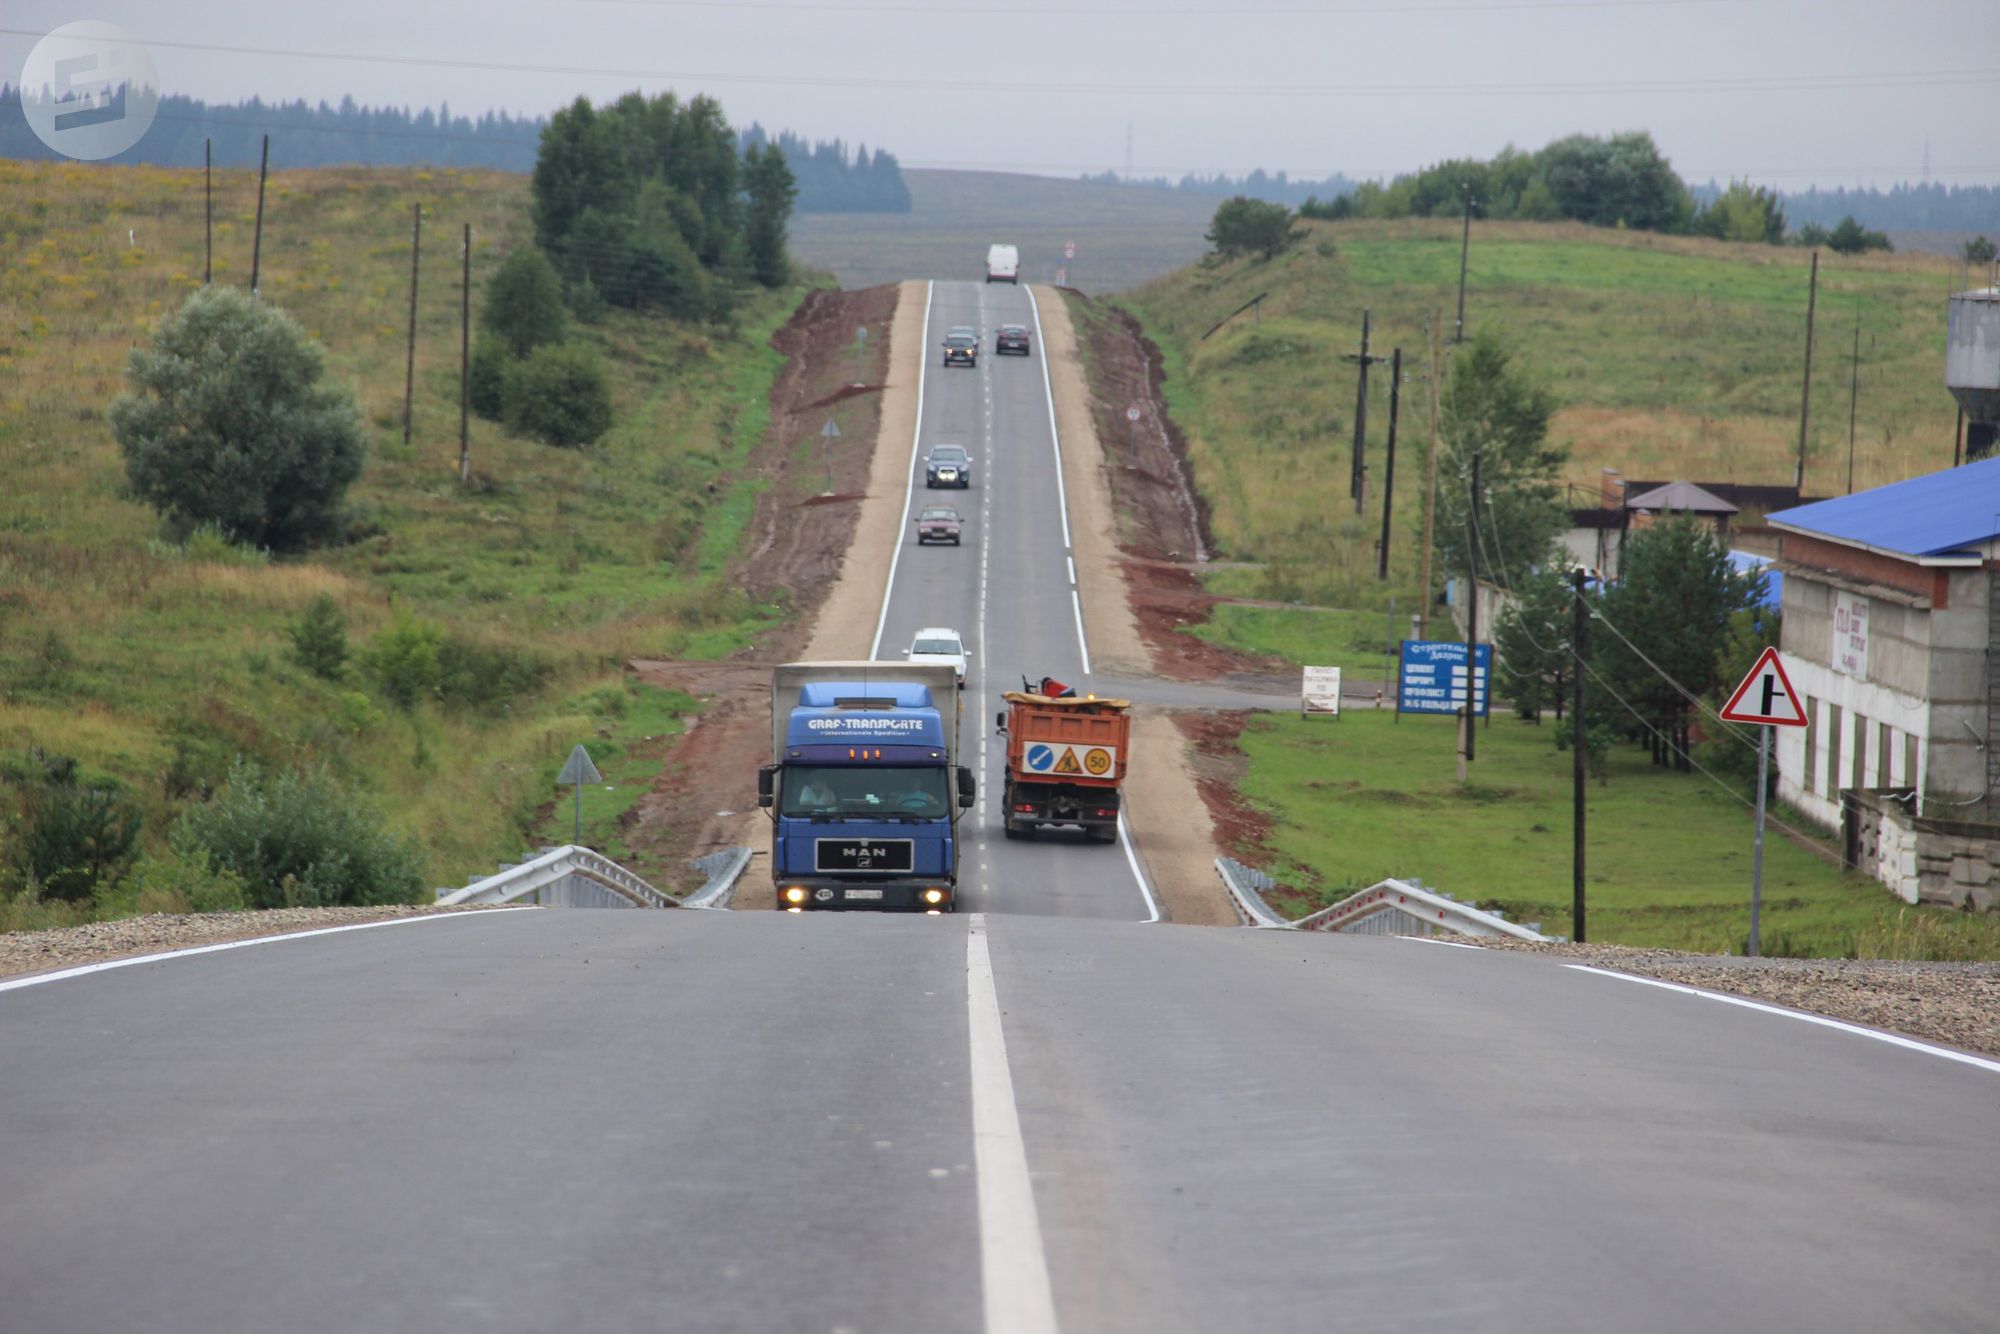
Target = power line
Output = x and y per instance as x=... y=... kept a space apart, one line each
x=1750 y=84
x=1150 y=11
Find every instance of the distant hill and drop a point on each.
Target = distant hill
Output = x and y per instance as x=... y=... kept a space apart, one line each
x=1672 y=357
x=829 y=178
x=1124 y=234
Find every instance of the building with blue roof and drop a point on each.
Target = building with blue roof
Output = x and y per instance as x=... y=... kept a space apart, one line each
x=1889 y=637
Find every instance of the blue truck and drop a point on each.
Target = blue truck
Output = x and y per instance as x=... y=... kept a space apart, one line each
x=864 y=788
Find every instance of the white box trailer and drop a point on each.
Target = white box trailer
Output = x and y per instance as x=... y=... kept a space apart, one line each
x=1003 y=264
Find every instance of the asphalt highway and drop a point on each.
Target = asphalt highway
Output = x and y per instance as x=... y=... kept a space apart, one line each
x=1041 y=1113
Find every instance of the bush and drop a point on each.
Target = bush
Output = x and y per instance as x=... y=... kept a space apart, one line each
x=1979 y=250
x=319 y=638
x=484 y=676
x=298 y=840
x=1851 y=238
x=404 y=661
x=524 y=305
x=227 y=425
x=72 y=837
x=486 y=376
x=184 y=881
x=560 y=396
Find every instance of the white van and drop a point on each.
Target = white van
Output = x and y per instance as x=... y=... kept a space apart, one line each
x=1003 y=264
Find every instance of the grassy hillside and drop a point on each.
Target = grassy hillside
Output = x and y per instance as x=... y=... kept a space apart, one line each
x=1125 y=235
x=157 y=663
x=1673 y=357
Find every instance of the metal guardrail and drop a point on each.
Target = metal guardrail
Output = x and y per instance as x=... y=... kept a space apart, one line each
x=551 y=868
x=723 y=869
x=1246 y=886
x=1387 y=908
x=1406 y=908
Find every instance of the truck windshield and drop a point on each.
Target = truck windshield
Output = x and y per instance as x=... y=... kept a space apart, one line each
x=862 y=792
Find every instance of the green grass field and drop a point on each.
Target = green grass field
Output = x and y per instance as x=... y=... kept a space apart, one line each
x=138 y=656
x=1368 y=797
x=1324 y=637
x=1673 y=358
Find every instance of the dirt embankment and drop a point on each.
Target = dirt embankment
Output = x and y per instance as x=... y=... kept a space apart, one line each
x=1161 y=520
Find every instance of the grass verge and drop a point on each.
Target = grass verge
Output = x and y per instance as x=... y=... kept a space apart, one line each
x=1367 y=797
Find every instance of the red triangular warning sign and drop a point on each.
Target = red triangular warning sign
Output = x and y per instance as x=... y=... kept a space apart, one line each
x=1067 y=764
x=1766 y=696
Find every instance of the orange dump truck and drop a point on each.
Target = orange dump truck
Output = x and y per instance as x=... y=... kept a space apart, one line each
x=1066 y=759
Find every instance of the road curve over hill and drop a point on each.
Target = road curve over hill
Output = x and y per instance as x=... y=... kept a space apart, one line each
x=1044 y=1112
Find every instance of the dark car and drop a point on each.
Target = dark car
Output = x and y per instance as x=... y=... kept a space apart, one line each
x=961 y=348
x=948 y=465
x=1013 y=338
x=938 y=523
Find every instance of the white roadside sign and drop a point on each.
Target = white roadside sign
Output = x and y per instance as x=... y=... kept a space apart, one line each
x=1320 y=692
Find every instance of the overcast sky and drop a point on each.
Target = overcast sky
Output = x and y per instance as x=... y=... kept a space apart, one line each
x=1783 y=92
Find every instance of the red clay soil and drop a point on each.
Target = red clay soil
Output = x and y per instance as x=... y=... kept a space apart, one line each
x=1162 y=520
x=796 y=537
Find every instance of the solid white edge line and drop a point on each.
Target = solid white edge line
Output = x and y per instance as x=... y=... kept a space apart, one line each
x=1893 y=1039
x=82 y=970
x=1433 y=940
x=910 y=481
x=1049 y=392
x=1013 y=1266
x=1082 y=644
x=1132 y=859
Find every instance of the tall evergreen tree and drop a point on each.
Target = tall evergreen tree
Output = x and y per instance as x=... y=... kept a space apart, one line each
x=771 y=190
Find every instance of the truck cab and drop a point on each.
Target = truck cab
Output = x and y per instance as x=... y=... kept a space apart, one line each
x=865 y=794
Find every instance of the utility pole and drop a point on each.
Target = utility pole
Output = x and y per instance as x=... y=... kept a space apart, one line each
x=1357 y=486
x=1389 y=463
x=1464 y=254
x=1430 y=477
x=1472 y=613
x=410 y=362
x=1576 y=632
x=1853 y=396
x=1805 y=400
x=207 y=211
x=465 y=359
x=257 y=243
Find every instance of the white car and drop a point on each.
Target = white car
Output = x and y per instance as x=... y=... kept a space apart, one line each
x=939 y=643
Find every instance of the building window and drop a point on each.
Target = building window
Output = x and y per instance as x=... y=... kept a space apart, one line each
x=1833 y=751
x=1810 y=782
x=1910 y=761
x=1860 y=775
x=1885 y=736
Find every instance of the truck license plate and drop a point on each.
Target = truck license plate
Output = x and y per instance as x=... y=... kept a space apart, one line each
x=863 y=894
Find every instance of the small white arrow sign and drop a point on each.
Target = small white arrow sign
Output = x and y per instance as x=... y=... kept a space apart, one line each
x=1766 y=696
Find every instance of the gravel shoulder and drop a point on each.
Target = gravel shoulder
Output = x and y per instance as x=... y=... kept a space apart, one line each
x=1953 y=1004
x=23 y=952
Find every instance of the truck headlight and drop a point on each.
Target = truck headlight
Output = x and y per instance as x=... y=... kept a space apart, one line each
x=933 y=896
x=795 y=894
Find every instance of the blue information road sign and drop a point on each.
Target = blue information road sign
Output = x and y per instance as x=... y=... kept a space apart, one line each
x=1432 y=679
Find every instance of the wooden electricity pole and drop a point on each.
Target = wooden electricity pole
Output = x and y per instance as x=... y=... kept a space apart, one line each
x=410 y=361
x=1576 y=750
x=207 y=211
x=1357 y=486
x=1430 y=481
x=1389 y=463
x=465 y=360
x=1805 y=400
x=257 y=244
